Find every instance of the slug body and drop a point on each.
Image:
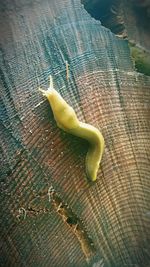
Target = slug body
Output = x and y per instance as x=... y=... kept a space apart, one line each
x=67 y=120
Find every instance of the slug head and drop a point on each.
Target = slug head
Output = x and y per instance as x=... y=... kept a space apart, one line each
x=63 y=113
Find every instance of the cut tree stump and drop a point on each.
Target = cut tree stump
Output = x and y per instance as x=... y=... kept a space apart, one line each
x=51 y=216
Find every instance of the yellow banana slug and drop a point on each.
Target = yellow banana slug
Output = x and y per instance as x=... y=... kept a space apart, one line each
x=67 y=120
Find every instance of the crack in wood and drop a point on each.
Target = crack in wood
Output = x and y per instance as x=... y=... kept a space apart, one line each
x=75 y=224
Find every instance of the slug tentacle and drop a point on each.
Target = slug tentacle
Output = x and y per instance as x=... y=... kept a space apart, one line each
x=67 y=120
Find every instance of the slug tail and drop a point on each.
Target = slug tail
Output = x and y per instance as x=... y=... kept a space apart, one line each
x=92 y=164
x=94 y=156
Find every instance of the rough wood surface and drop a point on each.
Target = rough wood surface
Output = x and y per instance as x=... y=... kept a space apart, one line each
x=50 y=214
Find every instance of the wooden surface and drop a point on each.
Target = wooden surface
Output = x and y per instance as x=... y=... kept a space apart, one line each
x=50 y=214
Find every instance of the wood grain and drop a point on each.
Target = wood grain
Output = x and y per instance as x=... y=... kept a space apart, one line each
x=38 y=159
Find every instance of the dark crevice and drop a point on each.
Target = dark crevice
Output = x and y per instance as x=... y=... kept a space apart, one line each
x=109 y=13
x=142 y=8
x=112 y=14
x=140 y=55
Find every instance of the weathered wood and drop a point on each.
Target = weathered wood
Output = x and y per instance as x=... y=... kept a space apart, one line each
x=50 y=214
